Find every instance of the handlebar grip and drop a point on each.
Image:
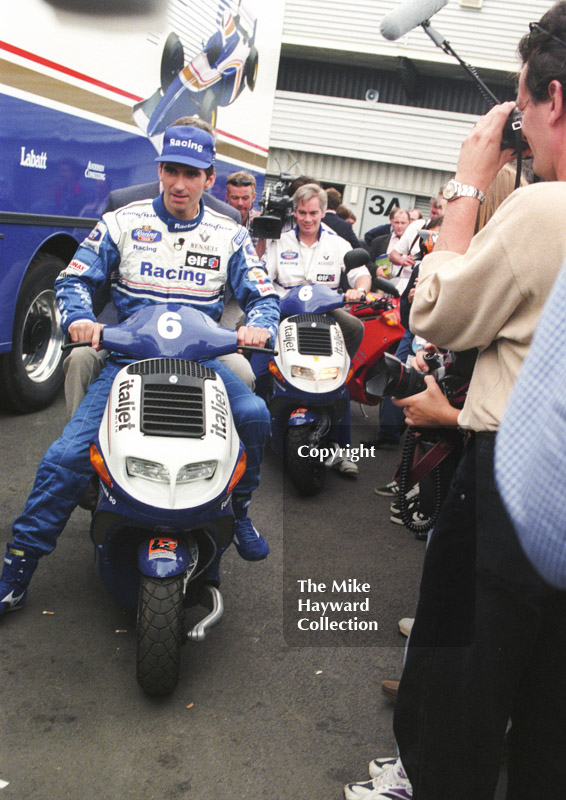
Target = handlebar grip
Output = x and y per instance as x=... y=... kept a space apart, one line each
x=252 y=349
x=72 y=345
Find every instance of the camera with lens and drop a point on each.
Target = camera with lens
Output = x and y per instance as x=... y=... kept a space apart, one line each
x=511 y=136
x=392 y=378
x=276 y=209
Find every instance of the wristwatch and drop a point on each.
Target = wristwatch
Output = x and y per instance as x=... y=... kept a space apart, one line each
x=454 y=189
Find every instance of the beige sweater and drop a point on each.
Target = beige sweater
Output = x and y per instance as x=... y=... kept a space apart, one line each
x=491 y=297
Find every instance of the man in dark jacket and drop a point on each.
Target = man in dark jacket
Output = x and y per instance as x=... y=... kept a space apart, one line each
x=331 y=218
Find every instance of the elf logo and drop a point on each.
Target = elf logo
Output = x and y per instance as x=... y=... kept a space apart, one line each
x=202 y=261
x=324 y=278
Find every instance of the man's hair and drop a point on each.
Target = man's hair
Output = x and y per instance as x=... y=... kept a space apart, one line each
x=241 y=179
x=334 y=198
x=197 y=122
x=545 y=56
x=436 y=222
x=396 y=210
x=306 y=192
x=301 y=180
x=343 y=212
x=419 y=212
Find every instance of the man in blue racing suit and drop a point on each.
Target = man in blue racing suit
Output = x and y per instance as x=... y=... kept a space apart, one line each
x=170 y=249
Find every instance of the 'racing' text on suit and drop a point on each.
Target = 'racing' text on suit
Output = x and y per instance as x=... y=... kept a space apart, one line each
x=149 y=257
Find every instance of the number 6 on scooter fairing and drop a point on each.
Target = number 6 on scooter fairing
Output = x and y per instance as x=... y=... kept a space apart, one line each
x=168 y=457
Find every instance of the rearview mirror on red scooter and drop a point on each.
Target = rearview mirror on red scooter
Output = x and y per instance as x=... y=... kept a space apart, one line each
x=385 y=286
x=358 y=257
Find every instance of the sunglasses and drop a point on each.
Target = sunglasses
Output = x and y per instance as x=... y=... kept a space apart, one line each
x=240 y=182
x=535 y=28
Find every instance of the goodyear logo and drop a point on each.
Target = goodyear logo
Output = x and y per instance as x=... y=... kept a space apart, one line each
x=146 y=234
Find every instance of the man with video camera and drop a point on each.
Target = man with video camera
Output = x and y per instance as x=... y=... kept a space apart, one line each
x=489 y=640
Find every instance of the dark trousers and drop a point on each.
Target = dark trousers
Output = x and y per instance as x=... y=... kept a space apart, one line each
x=488 y=645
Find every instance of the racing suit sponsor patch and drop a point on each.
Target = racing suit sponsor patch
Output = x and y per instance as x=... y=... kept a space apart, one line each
x=240 y=236
x=325 y=278
x=257 y=275
x=95 y=235
x=289 y=255
x=266 y=288
x=75 y=267
x=202 y=261
x=146 y=234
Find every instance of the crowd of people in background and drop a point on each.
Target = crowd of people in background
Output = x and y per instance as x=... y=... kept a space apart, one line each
x=487 y=645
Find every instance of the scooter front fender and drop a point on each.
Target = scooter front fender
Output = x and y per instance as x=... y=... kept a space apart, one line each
x=303 y=416
x=164 y=557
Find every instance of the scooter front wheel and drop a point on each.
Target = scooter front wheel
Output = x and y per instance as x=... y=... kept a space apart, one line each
x=308 y=474
x=160 y=633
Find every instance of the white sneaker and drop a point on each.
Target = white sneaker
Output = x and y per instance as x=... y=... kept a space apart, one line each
x=392 y=784
x=379 y=765
x=406 y=625
x=343 y=465
x=347 y=467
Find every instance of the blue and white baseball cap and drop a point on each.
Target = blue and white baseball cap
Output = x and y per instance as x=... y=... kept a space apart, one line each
x=183 y=144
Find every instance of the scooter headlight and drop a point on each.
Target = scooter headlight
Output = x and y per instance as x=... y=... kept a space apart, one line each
x=305 y=373
x=150 y=470
x=203 y=470
x=328 y=373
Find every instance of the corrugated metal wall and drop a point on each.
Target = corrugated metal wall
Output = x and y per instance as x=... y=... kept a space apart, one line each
x=353 y=81
x=487 y=37
x=354 y=172
x=411 y=137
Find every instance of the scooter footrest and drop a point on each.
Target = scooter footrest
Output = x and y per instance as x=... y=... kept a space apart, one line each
x=214 y=601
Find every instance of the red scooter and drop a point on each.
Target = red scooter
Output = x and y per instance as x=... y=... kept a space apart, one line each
x=383 y=330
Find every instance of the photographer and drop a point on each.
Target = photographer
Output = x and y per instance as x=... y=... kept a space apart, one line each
x=431 y=408
x=486 y=624
x=480 y=620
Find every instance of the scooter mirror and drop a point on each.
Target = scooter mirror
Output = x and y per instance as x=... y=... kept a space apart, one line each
x=385 y=286
x=358 y=257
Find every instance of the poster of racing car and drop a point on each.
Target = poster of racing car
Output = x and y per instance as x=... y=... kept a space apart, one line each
x=214 y=77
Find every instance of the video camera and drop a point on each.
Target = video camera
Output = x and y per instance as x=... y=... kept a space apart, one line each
x=276 y=209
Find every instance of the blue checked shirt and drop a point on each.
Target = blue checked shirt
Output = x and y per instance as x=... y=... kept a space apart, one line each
x=530 y=458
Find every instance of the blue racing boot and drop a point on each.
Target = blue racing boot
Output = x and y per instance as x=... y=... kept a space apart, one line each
x=19 y=566
x=249 y=543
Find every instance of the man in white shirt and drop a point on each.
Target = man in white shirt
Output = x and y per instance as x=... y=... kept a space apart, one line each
x=408 y=246
x=313 y=253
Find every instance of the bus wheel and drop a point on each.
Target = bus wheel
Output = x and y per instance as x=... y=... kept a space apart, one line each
x=32 y=373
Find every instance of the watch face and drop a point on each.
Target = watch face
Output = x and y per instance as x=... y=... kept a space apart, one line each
x=449 y=190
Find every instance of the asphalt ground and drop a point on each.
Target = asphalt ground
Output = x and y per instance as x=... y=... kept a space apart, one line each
x=263 y=709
